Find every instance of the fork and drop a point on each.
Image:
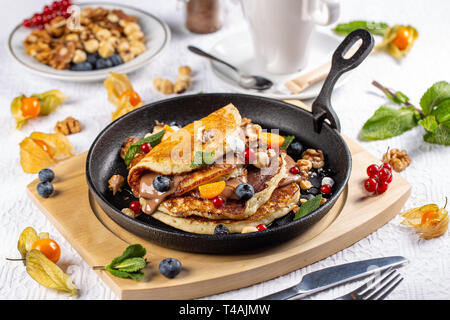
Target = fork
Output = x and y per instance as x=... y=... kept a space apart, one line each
x=377 y=288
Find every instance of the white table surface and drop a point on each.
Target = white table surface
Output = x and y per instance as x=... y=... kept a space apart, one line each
x=428 y=274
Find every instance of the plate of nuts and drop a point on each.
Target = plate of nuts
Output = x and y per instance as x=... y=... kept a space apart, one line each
x=87 y=41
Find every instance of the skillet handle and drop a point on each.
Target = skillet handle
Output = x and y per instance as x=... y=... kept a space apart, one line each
x=321 y=107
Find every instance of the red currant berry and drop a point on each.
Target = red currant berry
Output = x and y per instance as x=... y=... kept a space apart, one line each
x=217 y=202
x=36 y=19
x=56 y=5
x=146 y=147
x=26 y=23
x=384 y=174
x=382 y=187
x=370 y=185
x=389 y=180
x=66 y=15
x=372 y=170
x=46 y=19
x=135 y=206
x=261 y=227
x=387 y=166
x=47 y=10
x=249 y=155
x=325 y=189
x=294 y=170
x=40 y=27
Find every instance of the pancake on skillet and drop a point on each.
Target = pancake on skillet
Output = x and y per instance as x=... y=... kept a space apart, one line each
x=225 y=137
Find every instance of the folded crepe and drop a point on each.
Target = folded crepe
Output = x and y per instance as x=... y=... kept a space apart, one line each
x=219 y=134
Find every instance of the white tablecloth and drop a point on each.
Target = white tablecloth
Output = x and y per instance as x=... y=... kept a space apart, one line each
x=428 y=274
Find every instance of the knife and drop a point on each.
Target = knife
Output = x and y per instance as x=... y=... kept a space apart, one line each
x=330 y=277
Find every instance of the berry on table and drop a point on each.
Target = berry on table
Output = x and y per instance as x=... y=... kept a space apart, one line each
x=384 y=174
x=382 y=187
x=387 y=166
x=46 y=175
x=372 y=170
x=371 y=185
x=44 y=189
x=170 y=267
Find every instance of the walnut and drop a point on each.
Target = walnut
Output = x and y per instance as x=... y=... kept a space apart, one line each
x=62 y=56
x=68 y=126
x=112 y=18
x=315 y=156
x=79 y=56
x=40 y=50
x=115 y=183
x=56 y=27
x=399 y=160
x=163 y=85
x=304 y=165
x=126 y=145
x=130 y=213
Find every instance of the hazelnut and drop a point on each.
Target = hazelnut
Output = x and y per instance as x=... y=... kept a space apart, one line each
x=137 y=47
x=91 y=45
x=105 y=50
x=103 y=34
x=79 y=56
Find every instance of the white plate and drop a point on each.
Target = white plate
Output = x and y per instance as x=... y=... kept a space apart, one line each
x=237 y=49
x=157 y=36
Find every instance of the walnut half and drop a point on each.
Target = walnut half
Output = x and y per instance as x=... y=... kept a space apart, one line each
x=68 y=126
x=399 y=160
x=315 y=156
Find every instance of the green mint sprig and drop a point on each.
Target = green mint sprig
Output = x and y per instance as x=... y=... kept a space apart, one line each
x=308 y=207
x=287 y=141
x=433 y=115
x=202 y=158
x=135 y=148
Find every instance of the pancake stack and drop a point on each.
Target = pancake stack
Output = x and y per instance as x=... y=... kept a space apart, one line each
x=206 y=151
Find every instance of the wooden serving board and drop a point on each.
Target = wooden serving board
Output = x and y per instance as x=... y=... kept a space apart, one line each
x=98 y=239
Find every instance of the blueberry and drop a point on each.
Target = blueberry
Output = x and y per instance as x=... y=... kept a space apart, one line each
x=46 y=175
x=83 y=66
x=44 y=189
x=175 y=124
x=170 y=267
x=314 y=191
x=103 y=63
x=161 y=183
x=221 y=230
x=116 y=59
x=295 y=149
x=92 y=58
x=244 y=191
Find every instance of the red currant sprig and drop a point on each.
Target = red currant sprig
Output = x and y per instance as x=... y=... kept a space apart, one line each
x=49 y=12
x=379 y=178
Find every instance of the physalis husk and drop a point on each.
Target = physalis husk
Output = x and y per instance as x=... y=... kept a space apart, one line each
x=398 y=40
x=47 y=273
x=48 y=102
x=115 y=85
x=42 y=150
x=430 y=221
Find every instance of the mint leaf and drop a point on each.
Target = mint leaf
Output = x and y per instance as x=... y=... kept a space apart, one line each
x=131 y=264
x=429 y=123
x=308 y=207
x=442 y=112
x=123 y=274
x=438 y=92
x=387 y=122
x=132 y=251
x=376 y=28
x=398 y=97
x=287 y=141
x=135 y=148
x=202 y=158
x=441 y=135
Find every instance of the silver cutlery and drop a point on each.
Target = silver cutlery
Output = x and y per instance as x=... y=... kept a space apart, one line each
x=330 y=277
x=378 y=288
x=245 y=80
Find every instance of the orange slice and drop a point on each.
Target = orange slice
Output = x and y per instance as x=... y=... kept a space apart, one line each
x=272 y=140
x=211 y=190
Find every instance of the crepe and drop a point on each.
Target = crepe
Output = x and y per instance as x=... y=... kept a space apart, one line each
x=175 y=154
x=281 y=202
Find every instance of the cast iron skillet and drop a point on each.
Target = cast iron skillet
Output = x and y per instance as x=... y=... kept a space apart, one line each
x=311 y=129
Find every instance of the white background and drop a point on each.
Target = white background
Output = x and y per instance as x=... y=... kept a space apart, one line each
x=428 y=274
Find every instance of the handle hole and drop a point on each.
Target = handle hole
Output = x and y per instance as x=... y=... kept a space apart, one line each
x=349 y=52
